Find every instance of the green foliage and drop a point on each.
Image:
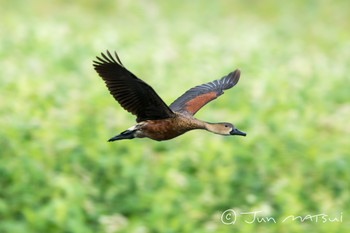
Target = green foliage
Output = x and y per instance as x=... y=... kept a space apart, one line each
x=58 y=173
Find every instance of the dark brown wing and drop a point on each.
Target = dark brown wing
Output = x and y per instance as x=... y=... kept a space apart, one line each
x=133 y=94
x=195 y=98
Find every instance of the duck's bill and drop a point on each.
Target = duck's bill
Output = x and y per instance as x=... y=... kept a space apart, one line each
x=237 y=132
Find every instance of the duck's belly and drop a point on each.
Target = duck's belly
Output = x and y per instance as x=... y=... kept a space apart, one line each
x=164 y=129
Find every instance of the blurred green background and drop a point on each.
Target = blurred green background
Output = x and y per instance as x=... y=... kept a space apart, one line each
x=58 y=173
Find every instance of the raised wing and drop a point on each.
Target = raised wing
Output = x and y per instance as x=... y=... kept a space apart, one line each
x=195 y=98
x=133 y=94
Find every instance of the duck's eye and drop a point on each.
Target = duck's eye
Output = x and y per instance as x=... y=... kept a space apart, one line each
x=226 y=125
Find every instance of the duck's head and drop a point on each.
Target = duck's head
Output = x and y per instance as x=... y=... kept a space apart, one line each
x=224 y=128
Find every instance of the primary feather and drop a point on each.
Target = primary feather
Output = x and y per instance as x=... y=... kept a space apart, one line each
x=133 y=94
x=195 y=98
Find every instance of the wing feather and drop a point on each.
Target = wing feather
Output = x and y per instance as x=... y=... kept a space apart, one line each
x=133 y=94
x=195 y=98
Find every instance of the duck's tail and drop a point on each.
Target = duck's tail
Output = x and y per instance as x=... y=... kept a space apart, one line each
x=127 y=134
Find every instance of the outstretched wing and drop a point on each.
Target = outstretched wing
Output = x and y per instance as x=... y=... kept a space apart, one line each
x=133 y=94
x=195 y=98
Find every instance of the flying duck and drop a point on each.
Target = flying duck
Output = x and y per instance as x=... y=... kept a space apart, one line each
x=155 y=119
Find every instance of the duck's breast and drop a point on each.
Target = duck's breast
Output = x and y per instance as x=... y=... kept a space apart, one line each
x=166 y=128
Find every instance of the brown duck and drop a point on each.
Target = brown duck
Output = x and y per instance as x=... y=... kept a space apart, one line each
x=155 y=119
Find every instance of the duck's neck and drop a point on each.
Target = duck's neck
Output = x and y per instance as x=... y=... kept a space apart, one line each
x=206 y=125
x=194 y=123
x=210 y=127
